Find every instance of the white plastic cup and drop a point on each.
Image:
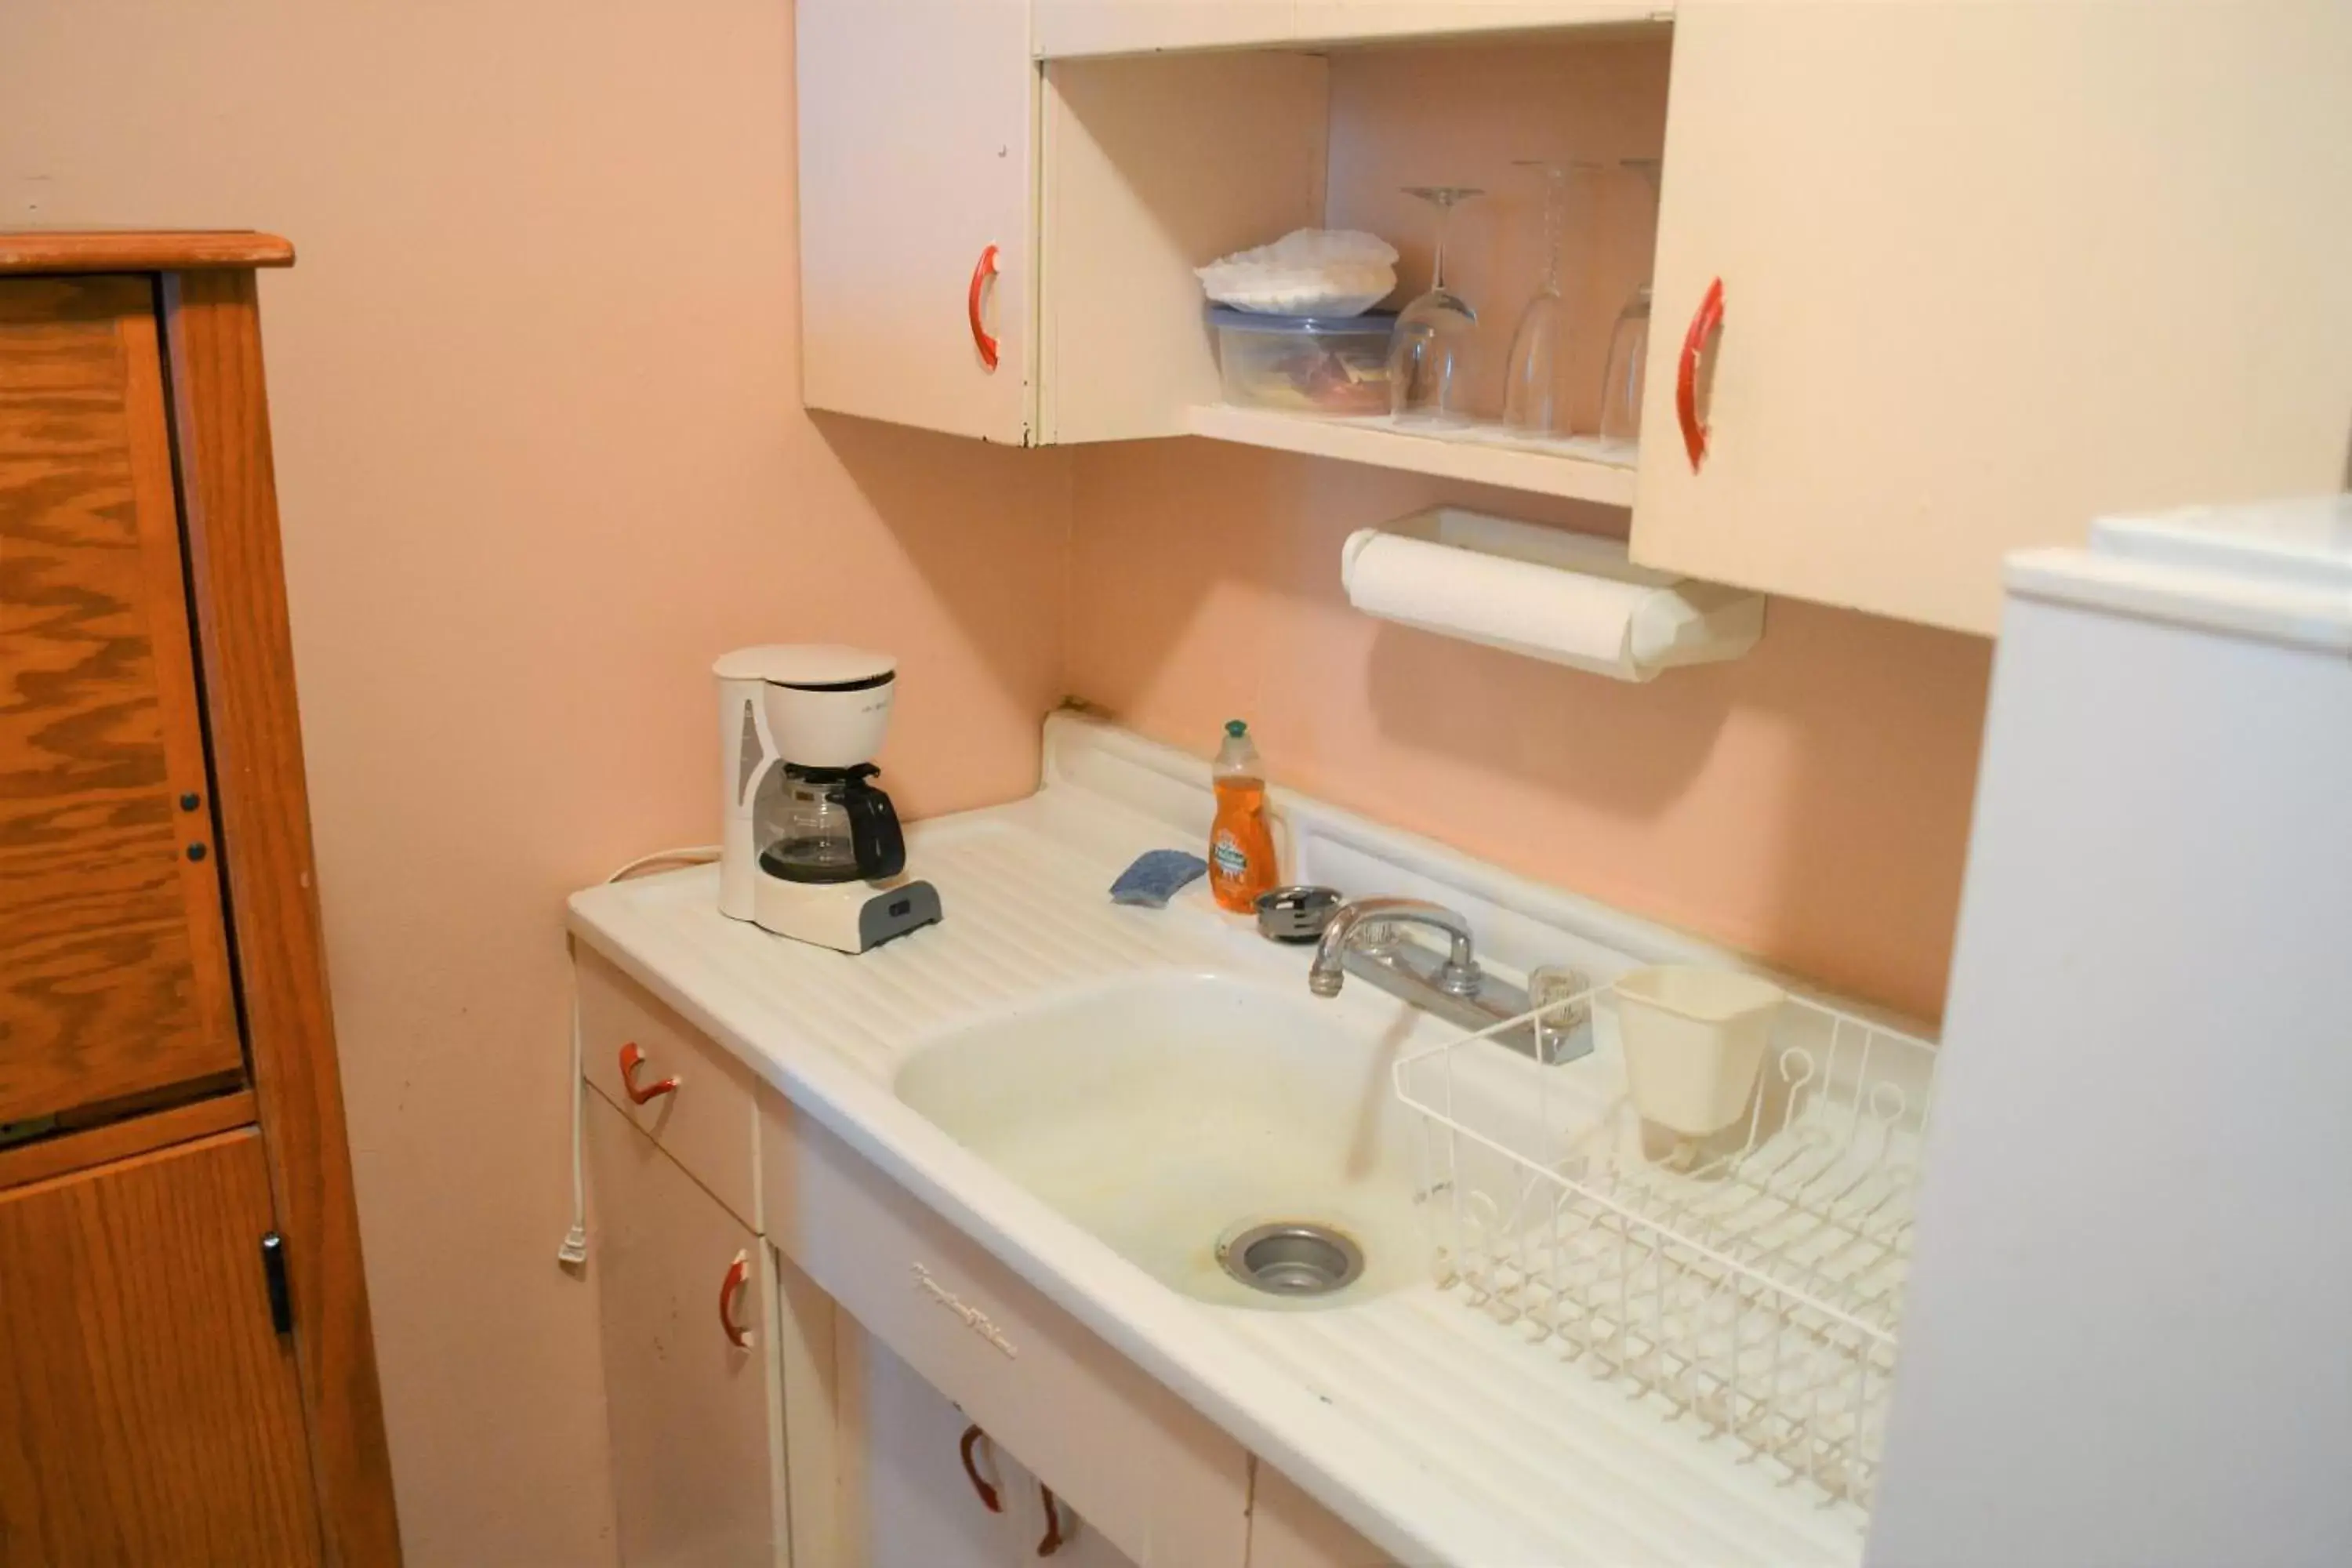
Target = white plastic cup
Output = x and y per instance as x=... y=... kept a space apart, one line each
x=1694 y=1041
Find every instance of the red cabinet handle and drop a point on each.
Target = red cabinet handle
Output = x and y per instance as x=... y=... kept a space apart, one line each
x=973 y=1434
x=738 y=1274
x=1052 y=1542
x=632 y=1059
x=1703 y=326
x=982 y=271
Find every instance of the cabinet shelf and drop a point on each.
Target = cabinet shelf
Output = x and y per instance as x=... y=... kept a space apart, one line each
x=1582 y=467
x=1069 y=28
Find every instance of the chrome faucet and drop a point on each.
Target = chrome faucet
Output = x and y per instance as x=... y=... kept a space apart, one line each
x=1364 y=940
x=1459 y=975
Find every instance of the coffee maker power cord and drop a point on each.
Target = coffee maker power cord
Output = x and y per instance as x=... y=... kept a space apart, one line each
x=573 y=1253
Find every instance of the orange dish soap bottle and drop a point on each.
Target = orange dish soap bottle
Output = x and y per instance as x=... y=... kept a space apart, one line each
x=1241 y=845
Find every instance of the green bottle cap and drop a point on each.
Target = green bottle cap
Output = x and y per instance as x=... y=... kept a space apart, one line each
x=1235 y=727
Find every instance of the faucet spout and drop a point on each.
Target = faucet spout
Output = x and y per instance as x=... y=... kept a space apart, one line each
x=1460 y=975
x=1453 y=988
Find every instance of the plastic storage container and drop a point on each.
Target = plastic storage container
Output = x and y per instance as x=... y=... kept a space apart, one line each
x=1694 y=1039
x=1312 y=364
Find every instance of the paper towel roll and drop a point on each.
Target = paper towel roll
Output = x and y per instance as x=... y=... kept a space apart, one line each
x=1627 y=626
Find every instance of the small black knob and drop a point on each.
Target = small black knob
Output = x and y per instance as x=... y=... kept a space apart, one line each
x=195 y=851
x=190 y=801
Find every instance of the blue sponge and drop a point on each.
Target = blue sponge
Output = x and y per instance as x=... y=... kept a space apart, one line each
x=1155 y=878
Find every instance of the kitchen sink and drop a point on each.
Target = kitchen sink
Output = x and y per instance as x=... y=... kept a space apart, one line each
x=1237 y=1142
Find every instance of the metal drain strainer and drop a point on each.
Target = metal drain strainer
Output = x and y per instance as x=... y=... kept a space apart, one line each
x=1291 y=1257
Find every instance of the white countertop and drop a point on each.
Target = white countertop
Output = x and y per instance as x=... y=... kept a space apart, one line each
x=1440 y=1436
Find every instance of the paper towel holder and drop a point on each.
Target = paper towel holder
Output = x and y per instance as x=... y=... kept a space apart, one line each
x=1633 y=621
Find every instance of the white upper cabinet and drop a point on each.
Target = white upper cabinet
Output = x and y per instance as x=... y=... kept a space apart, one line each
x=1067 y=28
x=918 y=229
x=1988 y=271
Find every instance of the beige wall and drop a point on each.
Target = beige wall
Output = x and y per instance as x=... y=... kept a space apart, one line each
x=541 y=458
x=1808 y=803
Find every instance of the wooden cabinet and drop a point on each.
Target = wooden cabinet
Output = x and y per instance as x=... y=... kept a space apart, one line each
x=687 y=1325
x=149 y=1410
x=114 y=971
x=1988 y=272
x=169 y=1097
x=917 y=223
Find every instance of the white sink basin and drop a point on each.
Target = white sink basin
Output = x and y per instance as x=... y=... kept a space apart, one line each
x=1162 y=1112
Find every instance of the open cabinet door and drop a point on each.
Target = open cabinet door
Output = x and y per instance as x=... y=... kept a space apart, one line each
x=917 y=230
x=1988 y=271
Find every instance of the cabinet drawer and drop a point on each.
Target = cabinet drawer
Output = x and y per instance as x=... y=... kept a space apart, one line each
x=709 y=1123
x=1159 y=1482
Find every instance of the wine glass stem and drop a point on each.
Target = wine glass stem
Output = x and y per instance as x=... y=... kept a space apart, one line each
x=1437 y=259
x=1555 y=200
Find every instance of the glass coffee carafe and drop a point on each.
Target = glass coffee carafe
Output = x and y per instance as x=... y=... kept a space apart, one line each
x=829 y=825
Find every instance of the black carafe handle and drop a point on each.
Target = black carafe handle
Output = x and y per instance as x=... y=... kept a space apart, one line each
x=874 y=834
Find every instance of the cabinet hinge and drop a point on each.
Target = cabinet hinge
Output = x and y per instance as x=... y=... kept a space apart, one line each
x=273 y=1271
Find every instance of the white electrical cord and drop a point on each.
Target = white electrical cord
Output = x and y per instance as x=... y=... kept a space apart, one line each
x=573 y=1253
x=700 y=855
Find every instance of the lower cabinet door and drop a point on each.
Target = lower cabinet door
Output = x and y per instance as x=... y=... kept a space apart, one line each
x=1290 y=1529
x=688 y=1324
x=925 y=1485
x=1049 y=1527
x=149 y=1410
x=914 y=1490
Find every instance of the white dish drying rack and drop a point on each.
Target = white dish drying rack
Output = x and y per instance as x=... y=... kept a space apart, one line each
x=1752 y=1281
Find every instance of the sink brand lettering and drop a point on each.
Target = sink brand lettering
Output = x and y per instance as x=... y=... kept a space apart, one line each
x=978 y=1322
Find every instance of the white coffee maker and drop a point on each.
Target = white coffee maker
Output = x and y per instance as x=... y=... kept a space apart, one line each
x=810 y=849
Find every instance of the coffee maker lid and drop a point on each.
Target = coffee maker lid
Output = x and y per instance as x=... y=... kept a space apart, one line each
x=815 y=666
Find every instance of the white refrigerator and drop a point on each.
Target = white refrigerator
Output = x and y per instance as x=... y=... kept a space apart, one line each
x=2127 y=1338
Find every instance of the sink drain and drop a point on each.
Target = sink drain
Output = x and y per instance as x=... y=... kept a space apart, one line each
x=1291 y=1257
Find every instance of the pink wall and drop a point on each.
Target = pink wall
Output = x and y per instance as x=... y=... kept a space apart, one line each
x=1808 y=803
x=541 y=458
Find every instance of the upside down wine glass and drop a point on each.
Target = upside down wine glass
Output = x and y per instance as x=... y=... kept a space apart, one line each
x=1432 y=333
x=1533 y=404
x=1628 y=341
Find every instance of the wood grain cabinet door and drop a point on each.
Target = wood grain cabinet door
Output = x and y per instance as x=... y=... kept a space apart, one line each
x=114 y=975
x=149 y=1409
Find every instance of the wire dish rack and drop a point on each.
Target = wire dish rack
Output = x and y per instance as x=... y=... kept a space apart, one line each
x=1751 y=1280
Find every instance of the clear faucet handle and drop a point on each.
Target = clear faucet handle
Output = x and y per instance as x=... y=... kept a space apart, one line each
x=1562 y=995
